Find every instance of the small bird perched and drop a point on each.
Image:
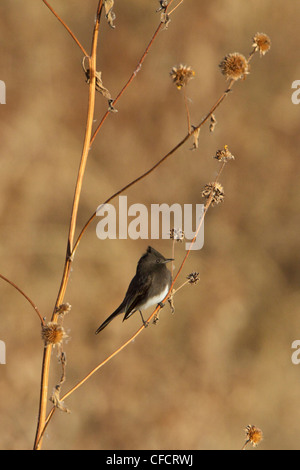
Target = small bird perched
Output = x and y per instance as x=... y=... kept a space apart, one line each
x=149 y=286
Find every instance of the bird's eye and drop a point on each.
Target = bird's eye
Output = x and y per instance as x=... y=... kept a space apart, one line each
x=157 y=260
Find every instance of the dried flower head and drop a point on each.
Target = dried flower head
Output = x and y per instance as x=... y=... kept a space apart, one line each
x=261 y=43
x=63 y=308
x=163 y=5
x=253 y=435
x=234 y=66
x=214 y=191
x=224 y=155
x=177 y=234
x=181 y=75
x=193 y=277
x=52 y=333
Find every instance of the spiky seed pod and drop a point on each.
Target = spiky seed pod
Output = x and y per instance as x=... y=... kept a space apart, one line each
x=181 y=75
x=224 y=155
x=254 y=435
x=52 y=333
x=215 y=191
x=234 y=66
x=261 y=43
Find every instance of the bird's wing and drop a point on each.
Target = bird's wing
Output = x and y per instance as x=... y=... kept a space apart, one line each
x=136 y=293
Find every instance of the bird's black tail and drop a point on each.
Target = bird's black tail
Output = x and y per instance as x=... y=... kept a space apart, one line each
x=108 y=320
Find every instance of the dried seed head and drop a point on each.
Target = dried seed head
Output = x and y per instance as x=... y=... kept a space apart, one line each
x=176 y=234
x=181 y=75
x=63 y=308
x=52 y=333
x=224 y=155
x=234 y=66
x=253 y=435
x=261 y=43
x=163 y=5
x=214 y=191
x=193 y=277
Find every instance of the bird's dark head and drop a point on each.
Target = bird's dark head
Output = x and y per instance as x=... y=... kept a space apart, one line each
x=152 y=256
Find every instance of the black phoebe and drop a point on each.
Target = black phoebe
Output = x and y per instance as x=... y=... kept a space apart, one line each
x=149 y=286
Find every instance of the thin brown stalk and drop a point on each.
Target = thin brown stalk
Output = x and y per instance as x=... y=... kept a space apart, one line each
x=173 y=257
x=65 y=26
x=180 y=287
x=170 y=12
x=187 y=111
x=26 y=297
x=245 y=445
x=66 y=272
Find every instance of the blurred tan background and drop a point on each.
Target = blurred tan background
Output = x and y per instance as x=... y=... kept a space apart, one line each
x=223 y=360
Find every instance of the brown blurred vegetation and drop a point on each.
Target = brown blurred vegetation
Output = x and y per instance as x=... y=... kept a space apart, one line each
x=223 y=360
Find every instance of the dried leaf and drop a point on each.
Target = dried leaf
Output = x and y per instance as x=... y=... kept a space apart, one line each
x=196 y=133
x=171 y=302
x=213 y=123
x=110 y=15
x=99 y=86
x=55 y=399
x=164 y=18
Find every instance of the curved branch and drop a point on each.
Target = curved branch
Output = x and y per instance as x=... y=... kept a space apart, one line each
x=65 y=26
x=74 y=212
x=26 y=297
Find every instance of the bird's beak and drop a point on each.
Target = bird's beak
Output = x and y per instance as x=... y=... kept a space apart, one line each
x=168 y=260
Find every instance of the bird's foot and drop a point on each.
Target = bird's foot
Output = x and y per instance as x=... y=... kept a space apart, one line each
x=145 y=323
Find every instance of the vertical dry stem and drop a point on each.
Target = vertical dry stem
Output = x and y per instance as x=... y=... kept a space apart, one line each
x=72 y=227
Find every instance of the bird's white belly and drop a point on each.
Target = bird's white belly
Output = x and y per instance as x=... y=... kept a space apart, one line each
x=154 y=300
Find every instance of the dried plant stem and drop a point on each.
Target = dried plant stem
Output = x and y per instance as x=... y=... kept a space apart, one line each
x=137 y=333
x=24 y=295
x=66 y=272
x=187 y=111
x=173 y=257
x=180 y=287
x=245 y=445
x=65 y=26
x=170 y=13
